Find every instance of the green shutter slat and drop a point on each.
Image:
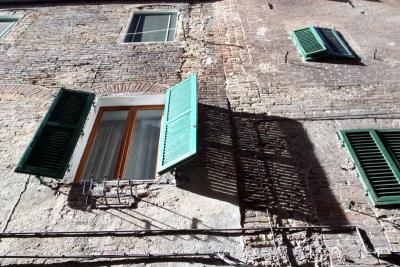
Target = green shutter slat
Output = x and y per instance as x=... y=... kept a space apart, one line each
x=51 y=148
x=336 y=45
x=309 y=43
x=377 y=170
x=391 y=140
x=178 y=140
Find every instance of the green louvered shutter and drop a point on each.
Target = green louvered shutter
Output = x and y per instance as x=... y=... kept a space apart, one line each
x=375 y=164
x=178 y=140
x=391 y=139
x=50 y=150
x=336 y=45
x=309 y=43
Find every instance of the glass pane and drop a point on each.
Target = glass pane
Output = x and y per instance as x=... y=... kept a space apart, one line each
x=172 y=28
x=151 y=28
x=4 y=25
x=106 y=146
x=142 y=156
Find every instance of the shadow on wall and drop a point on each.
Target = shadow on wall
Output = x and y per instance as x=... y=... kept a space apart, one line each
x=257 y=162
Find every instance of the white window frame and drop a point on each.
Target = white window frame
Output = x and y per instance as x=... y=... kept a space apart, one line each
x=152 y=11
x=14 y=20
x=110 y=101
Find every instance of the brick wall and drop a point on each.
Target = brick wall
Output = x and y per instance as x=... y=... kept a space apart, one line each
x=79 y=46
x=292 y=111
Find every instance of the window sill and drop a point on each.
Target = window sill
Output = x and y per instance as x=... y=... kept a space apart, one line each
x=168 y=43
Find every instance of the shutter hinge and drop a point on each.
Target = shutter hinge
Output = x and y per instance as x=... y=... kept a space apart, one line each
x=40 y=178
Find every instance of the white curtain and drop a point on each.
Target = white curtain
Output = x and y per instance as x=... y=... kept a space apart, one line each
x=104 y=153
x=142 y=157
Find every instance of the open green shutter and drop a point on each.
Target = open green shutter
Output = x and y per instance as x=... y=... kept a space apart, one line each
x=336 y=45
x=50 y=150
x=309 y=43
x=178 y=140
x=377 y=169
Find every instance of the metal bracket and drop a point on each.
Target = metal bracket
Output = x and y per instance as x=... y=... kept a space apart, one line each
x=383 y=252
x=40 y=178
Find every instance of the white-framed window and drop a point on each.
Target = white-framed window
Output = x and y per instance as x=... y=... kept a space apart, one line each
x=119 y=137
x=152 y=26
x=6 y=22
x=121 y=140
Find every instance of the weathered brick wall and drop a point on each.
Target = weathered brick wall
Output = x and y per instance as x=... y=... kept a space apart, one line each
x=259 y=80
x=292 y=111
x=79 y=46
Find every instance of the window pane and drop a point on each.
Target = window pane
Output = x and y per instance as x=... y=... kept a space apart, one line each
x=151 y=28
x=142 y=156
x=4 y=26
x=106 y=146
x=172 y=28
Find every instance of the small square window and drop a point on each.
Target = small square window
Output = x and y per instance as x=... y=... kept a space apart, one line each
x=152 y=27
x=6 y=23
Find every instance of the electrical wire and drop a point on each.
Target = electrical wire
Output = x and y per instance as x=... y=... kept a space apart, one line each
x=108 y=256
x=217 y=256
x=159 y=232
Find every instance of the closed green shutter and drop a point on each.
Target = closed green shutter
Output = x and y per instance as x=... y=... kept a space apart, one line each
x=51 y=148
x=309 y=43
x=178 y=140
x=374 y=158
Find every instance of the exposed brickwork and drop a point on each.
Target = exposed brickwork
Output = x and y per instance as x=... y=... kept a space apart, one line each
x=86 y=49
x=78 y=46
x=294 y=109
x=259 y=80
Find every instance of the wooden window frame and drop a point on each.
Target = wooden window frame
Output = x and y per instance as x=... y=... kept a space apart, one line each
x=119 y=167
